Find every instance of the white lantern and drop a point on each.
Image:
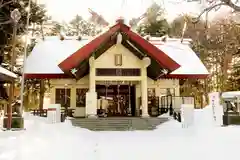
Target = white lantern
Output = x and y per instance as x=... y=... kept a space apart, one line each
x=146 y=61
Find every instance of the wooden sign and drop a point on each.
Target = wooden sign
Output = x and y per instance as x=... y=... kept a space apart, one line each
x=118 y=60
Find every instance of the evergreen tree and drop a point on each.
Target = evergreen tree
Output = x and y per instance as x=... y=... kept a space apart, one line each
x=158 y=28
x=233 y=83
x=77 y=27
x=6 y=25
x=154 y=24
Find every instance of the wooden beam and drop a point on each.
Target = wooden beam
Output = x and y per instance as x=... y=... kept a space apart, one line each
x=132 y=49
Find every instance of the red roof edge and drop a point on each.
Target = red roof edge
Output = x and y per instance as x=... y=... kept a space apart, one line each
x=186 y=76
x=59 y=76
x=85 y=52
x=46 y=76
x=162 y=58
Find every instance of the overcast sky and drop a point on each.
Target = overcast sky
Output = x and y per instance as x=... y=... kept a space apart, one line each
x=65 y=10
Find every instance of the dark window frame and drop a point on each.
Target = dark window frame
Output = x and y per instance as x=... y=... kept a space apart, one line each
x=128 y=72
x=172 y=91
x=60 y=95
x=151 y=92
x=81 y=97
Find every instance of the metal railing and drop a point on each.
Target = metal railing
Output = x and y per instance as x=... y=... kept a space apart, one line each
x=172 y=104
x=43 y=113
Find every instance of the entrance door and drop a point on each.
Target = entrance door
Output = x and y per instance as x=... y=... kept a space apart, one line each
x=120 y=99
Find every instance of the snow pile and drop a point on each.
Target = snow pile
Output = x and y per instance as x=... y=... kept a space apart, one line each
x=48 y=141
x=165 y=115
x=52 y=142
x=169 y=142
x=204 y=117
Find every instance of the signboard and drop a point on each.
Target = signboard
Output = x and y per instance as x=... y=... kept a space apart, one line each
x=217 y=109
x=214 y=102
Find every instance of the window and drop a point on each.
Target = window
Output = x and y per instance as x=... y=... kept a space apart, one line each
x=167 y=91
x=118 y=72
x=151 y=92
x=81 y=97
x=63 y=96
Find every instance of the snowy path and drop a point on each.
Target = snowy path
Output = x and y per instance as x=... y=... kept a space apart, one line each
x=169 y=142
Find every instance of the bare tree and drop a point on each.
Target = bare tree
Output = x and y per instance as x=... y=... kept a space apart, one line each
x=3 y=4
x=216 y=4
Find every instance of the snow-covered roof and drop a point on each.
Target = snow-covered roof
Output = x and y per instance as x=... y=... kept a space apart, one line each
x=231 y=94
x=7 y=73
x=183 y=55
x=47 y=54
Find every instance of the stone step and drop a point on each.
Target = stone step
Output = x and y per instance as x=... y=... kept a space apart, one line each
x=118 y=124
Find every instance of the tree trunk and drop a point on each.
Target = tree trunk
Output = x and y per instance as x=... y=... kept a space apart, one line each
x=205 y=92
x=42 y=84
x=42 y=91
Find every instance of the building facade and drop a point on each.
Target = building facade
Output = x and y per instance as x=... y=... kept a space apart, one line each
x=117 y=73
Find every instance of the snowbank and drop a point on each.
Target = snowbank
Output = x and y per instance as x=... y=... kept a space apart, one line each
x=169 y=142
x=48 y=141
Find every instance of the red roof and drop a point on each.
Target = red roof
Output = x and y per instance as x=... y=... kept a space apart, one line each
x=86 y=51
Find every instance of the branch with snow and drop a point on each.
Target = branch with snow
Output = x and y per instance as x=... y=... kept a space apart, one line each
x=217 y=6
x=6 y=3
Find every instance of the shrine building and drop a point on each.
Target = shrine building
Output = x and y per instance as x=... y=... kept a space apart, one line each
x=117 y=72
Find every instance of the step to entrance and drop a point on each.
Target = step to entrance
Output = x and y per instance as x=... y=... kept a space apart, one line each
x=118 y=123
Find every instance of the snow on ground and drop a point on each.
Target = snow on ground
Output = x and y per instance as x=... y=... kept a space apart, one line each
x=168 y=142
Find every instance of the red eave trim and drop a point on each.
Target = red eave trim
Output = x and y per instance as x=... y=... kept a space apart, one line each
x=153 y=51
x=187 y=76
x=86 y=51
x=46 y=76
x=59 y=76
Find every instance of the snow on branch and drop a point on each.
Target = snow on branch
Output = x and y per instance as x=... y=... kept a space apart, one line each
x=6 y=3
x=229 y=3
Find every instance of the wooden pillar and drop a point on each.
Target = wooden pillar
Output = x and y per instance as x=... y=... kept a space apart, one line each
x=144 y=87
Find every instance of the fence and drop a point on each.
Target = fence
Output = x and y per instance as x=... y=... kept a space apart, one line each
x=39 y=112
x=172 y=104
x=44 y=113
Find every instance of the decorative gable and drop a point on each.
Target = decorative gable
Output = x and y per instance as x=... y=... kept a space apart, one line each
x=118 y=57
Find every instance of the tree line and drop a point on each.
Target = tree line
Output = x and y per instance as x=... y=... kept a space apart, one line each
x=216 y=43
